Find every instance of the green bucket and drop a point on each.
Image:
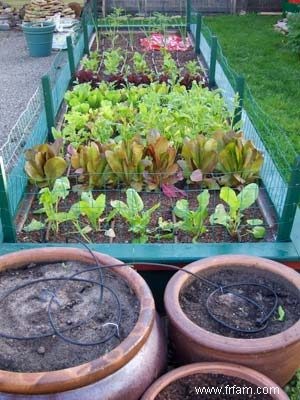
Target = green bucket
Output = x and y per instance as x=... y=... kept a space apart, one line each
x=39 y=38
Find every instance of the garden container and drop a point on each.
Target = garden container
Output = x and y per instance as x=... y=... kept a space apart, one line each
x=126 y=371
x=39 y=38
x=228 y=370
x=277 y=356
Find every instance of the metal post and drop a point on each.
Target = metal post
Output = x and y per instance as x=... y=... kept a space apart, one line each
x=188 y=14
x=71 y=56
x=48 y=101
x=8 y=225
x=213 y=61
x=240 y=88
x=85 y=34
x=198 y=33
x=290 y=205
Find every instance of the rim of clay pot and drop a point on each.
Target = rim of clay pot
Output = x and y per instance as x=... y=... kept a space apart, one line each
x=217 y=341
x=87 y=373
x=232 y=370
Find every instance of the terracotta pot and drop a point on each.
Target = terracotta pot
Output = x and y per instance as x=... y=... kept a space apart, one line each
x=126 y=371
x=277 y=356
x=231 y=370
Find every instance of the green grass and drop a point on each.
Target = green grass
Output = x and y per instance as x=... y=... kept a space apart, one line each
x=255 y=50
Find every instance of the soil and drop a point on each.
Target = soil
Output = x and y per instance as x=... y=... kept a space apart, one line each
x=184 y=389
x=235 y=311
x=24 y=313
x=121 y=228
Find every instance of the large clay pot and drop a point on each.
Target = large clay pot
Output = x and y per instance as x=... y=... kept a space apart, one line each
x=125 y=372
x=276 y=356
x=230 y=370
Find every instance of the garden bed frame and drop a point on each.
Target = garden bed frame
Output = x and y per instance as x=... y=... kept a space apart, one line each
x=284 y=197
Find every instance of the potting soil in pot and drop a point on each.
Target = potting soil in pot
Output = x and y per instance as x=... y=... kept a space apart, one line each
x=75 y=310
x=234 y=310
x=211 y=386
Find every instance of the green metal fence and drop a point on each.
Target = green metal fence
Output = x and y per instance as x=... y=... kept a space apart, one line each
x=34 y=125
x=280 y=172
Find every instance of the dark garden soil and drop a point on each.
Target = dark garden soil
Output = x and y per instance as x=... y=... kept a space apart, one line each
x=184 y=389
x=24 y=313
x=215 y=233
x=236 y=311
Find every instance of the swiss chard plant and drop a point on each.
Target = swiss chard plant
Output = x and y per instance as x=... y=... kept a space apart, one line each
x=90 y=208
x=44 y=164
x=134 y=213
x=193 y=221
x=232 y=218
x=50 y=200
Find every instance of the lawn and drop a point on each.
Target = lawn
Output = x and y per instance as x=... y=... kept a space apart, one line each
x=272 y=71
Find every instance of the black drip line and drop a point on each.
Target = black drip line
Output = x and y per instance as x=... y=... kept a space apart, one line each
x=261 y=323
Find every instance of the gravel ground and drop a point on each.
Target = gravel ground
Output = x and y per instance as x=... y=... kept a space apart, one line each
x=19 y=78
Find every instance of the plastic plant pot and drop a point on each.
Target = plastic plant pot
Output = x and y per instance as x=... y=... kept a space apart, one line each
x=39 y=38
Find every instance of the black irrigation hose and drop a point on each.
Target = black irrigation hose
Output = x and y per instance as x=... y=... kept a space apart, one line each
x=261 y=322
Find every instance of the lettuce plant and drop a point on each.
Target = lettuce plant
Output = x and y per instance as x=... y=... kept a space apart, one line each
x=293 y=387
x=240 y=162
x=112 y=61
x=193 y=221
x=160 y=166
x=125 y=161
x=133 y=212
x=232 y=218
x=200 y=159
x=43 y=164
x=91 y=164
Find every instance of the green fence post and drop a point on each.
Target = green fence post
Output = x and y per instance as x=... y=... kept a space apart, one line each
x=48 y=101
x=85 y=34
x=188 y=14
x=71 y=56
x=198 y=33
x=213 y=62
x=240 y=88
x=290 y=205
x=8 y=225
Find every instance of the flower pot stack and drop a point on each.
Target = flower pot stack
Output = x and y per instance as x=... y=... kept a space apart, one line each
x=41 y=10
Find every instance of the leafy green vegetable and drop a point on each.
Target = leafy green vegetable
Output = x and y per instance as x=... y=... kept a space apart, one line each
x=112 y=61
x=92 y=62
x=193 y=221
x=91 y=164
x=125 y=160
x=160 y=166
x=140 y=64
x=43 y=164
x=50 y=200
x=92 y=209
x=293 y=387
x=232 y=218
x=240 y=161
x=34 y=226
x=133 y=212
x=281 y=314
x=200 y=155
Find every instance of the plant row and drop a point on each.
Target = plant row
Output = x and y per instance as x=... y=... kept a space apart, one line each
x=138 y=218
x=122 y=69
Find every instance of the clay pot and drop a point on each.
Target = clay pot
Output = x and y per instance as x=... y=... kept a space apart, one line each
x=124 y=372
x=231 y=370
x=277 y=356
